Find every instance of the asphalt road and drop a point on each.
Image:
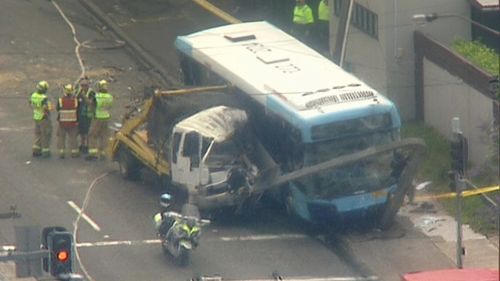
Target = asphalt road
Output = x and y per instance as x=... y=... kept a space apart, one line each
x=117 y=241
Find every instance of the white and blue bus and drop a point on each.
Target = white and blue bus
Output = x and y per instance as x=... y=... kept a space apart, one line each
x=305 y=110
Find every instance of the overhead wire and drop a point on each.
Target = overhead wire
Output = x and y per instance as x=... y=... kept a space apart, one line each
x=75 y=39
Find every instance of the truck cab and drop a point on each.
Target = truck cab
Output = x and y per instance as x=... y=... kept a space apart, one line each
x=207 y=151
x=211 y=154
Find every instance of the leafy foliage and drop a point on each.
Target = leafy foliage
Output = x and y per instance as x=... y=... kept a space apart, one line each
x=478 y=54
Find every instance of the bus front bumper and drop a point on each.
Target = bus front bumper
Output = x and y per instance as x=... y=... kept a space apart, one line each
x=351 y=208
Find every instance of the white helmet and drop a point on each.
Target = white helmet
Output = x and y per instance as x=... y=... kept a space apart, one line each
x=165 y=200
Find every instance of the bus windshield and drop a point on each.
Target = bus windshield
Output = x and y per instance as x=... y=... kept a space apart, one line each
x=363 y=176
x=368 y=175
x=318 y=152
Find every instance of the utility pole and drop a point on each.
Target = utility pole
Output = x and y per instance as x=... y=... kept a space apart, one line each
x=342 y=30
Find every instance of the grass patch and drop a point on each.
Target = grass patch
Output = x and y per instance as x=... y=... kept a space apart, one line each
x=436 y=163
x=435 y=166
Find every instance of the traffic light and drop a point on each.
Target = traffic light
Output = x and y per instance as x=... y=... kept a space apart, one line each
x=60 y=246
x=459 y=154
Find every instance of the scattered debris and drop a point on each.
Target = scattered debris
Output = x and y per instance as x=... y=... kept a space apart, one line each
x=424 y=207
x=429 y=223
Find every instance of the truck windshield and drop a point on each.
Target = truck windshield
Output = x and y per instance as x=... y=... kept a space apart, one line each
x=220 y=154
x=364 y=176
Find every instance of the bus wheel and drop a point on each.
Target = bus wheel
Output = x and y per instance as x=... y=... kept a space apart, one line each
x=129 y=166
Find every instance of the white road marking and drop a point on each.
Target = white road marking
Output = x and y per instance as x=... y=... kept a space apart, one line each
x=7 y=248
x=223 y=238
x=84 y=216
x=18 y=129
x=118 y=243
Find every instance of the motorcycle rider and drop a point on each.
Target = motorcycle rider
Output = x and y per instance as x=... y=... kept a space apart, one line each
x=163 y=223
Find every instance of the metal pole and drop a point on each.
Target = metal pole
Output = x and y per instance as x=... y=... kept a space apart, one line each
x=459 y=186
x=346 y=33
x=457 y=133
x=475 y=23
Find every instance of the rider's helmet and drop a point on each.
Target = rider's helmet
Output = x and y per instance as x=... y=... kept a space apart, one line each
x=165 y=200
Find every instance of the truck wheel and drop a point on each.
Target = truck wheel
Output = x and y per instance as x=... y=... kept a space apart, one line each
x=129 y=166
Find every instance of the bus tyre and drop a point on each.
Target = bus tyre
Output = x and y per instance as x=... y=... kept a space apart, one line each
x=129 y=166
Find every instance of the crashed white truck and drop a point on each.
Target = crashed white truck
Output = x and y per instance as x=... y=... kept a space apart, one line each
x=199 y=150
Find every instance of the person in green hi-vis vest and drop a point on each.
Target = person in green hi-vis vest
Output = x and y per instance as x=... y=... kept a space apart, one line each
x=98 y=133
x=302 y=21
x=322 y=29
x=41 y=115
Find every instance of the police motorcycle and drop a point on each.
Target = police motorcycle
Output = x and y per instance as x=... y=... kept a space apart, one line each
x=183 y=234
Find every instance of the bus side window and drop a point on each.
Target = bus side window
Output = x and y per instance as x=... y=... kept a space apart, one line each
x=175 y=146
x=191 y=148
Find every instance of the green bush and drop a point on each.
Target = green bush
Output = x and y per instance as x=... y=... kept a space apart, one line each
x=437 y=161
x=478 y=54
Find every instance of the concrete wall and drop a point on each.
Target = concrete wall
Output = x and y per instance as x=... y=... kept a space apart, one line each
x=387 y=64
x=445 y=97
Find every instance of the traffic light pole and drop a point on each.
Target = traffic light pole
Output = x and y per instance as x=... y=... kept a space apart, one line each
x=16 y=256
x=459 y=183
x=459 y=165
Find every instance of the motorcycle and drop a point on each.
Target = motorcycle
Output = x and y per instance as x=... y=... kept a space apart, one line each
x=184 y=234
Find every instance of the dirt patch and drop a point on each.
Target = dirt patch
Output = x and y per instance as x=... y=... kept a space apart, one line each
x=11 y=77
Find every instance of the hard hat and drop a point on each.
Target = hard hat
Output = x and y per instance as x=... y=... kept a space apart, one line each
x=42 y=86
x=68 y=89
x=102 y=84
x=165 y=200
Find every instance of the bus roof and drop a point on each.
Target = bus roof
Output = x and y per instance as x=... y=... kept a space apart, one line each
x=282 y=73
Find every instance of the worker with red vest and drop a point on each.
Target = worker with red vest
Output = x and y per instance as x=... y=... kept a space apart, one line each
x=67 y=107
